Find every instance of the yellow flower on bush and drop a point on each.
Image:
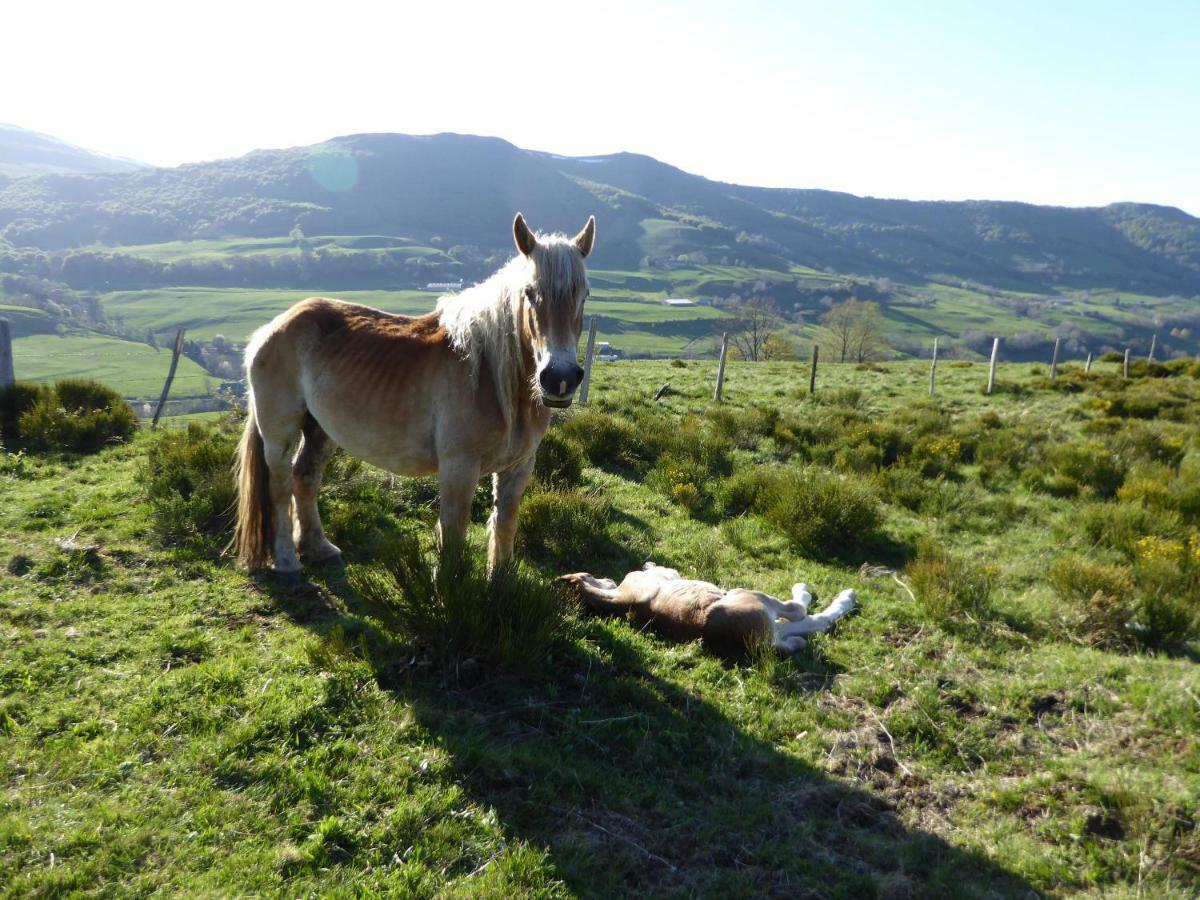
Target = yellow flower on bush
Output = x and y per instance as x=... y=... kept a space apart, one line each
x=1153 y=548
x=947 y=448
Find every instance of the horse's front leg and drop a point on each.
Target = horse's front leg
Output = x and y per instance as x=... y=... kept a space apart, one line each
x=507 y=487
x=457 y=480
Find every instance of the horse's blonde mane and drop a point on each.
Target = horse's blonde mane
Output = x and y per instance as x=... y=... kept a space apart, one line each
x=485 y=322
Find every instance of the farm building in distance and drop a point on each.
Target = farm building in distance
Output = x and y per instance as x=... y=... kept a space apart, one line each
x=678 y=301
x=444 y=286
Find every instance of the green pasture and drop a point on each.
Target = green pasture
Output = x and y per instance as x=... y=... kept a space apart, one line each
x=134 y=369
x=172 y=726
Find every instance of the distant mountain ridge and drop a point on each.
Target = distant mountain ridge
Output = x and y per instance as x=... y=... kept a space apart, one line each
x=24 y=152
x=463 y=190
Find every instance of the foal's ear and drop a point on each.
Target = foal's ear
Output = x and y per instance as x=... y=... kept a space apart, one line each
x=523 y=236
x=587 y=237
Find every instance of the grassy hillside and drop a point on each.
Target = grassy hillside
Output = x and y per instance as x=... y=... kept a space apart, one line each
x=461 y=190
x=136 y=370
x=172 y=725
x=634 y=323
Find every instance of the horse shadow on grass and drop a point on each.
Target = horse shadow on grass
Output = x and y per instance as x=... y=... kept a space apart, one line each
x=635 y=785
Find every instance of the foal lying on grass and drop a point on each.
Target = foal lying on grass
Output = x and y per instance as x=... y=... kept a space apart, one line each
x=728 y=622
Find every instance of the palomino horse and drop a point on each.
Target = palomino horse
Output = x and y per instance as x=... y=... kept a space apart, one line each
x=728 y=622
x=459 y=392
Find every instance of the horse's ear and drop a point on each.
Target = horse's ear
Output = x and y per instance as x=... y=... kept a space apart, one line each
x=523 y=236
x=587 y=237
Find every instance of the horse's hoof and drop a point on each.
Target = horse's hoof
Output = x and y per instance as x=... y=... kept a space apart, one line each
x=336 y=561
x=290 y=578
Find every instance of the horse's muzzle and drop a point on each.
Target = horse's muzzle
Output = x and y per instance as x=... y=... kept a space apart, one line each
x=558 y=383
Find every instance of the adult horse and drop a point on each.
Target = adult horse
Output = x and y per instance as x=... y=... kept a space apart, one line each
x=459 y=392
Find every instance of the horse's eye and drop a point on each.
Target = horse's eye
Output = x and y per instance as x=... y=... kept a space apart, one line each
x=531 y=294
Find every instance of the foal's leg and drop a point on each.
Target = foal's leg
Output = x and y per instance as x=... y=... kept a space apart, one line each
x=792 y=610
x=507 y=488
x=307 y=472
x=457 y=480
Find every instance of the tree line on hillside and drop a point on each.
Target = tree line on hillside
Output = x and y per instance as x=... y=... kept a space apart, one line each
x=104 y=270
x=857 y=332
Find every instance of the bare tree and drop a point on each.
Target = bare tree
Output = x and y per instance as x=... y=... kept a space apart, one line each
x=751 y=327
x=857 y=329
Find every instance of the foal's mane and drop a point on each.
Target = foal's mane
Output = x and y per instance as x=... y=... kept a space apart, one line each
x=486 y=324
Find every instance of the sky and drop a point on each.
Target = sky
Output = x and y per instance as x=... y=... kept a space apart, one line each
x=1055 y=102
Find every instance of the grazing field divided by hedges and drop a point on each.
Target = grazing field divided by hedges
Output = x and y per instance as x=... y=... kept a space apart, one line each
x=1013 y=710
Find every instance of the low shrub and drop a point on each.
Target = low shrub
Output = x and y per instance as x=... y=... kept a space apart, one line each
x=452 y=607
x=937 y=455
x=1099 y=599
x=188 y=479
x=1070 y=468
x=1154 y=605
x=562 y=528
x=822 y=514
x=948 y=587
x=606 y=439
x=743 y=428
x=1119 y=526
x=559 y=462
x=682 y=480
x=76 y=415
x=15 y=400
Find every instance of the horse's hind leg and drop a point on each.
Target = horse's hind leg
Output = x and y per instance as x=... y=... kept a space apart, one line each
x=280 y=432
x=307 y=473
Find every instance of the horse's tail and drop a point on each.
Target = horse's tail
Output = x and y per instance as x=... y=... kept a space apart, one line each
x=253 y=530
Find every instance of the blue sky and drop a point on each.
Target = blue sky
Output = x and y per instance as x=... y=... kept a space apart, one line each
x=1055 y=102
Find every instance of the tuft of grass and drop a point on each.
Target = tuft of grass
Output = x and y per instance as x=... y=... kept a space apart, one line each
x=449 y=604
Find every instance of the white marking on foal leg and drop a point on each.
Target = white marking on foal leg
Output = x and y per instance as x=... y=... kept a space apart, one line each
x=789 y=645
x=801 y=594
x=842 y=604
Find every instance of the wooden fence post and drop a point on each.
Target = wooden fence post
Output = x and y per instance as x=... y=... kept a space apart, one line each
x=1125 y=369
x=170 y=376
x=1054 y=360
x=721 y=366
x=1153 y=344
x=6 y=357
x=812 y=378
x=933 y=369
x=992 y=368
x=1087 y=366
x=587 y=363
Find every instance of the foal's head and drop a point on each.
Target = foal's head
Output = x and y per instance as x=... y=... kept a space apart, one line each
x=554 y=306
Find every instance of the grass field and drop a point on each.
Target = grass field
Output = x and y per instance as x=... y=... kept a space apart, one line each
x=136 y=370
x=171 y=725
x=634 y=324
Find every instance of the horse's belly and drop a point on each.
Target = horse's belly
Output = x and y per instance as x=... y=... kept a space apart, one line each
x=403 y=447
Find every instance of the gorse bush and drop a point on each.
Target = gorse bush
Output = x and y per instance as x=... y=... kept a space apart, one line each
x=562 y=528
x=607 y=440
x=559 y=462
x=452 y=607
x=75 y=415
x=1155 y=603
x=15 y=400
x=949 y=587
x=1099 y=599
x=821 y=513
x=188 y=479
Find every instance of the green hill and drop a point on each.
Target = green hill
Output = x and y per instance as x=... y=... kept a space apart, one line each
x=461 y=191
